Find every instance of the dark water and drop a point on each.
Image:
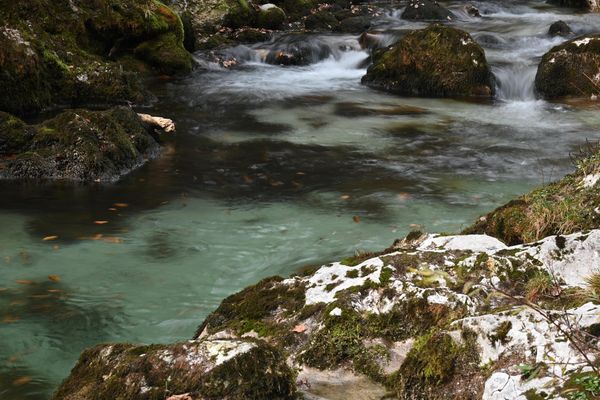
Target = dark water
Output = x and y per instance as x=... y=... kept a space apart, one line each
x=267 y=172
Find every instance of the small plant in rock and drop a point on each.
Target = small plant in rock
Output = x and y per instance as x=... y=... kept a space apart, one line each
x=593 y=287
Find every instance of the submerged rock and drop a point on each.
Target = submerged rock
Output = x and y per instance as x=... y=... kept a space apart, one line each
x=232 y=369
x=569 y=205
x=427 y=10
x=436 y=61
x=560 y=28
x=570 y=69
x=77 y=145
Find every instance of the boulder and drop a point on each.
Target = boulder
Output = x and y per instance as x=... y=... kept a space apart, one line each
x=357 y=24
x=232 y=369
x=77 y=145
x=426 y=10
x=560 y=28
x=84 y=54
x=591 y=5
x=424 y=319
x=569 y=205
x=570 y=69
x=436 y=61
x=271 y=17
x=322 y=20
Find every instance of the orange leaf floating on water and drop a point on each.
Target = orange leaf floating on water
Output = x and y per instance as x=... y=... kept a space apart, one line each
x=344 y=197
x=121 y=205
x=356 y=219
x=24 y=282
x=113 y=240
x=112 y=209
x=404 y=196
x=10 y=319
x=21 y=381
x=299 y=329
x=54 y=278
x=101 y=222
x=49 y=238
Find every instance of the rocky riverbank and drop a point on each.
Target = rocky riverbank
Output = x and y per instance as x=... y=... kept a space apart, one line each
x=431 y=317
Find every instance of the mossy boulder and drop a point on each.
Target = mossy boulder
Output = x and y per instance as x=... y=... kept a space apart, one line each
x=270 y=16
x=242 y=369
x=570 y=69
x=84 y=53
x=436 y=61
x=208 y=20
x=426 y=10
x=322 y=20
x=563 y=207
x=77 y=145
x=591 y=5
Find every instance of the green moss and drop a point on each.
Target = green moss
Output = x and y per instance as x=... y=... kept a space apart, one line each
x=435 y=360
x=559 y=208
x=353 y=273
x=166 y=54
x=272 y=18
x=436 y=61
x=253 y=304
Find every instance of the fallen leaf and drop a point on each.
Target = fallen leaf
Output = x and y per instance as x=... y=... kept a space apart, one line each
x=356 y=219
x=48 y=238
x=112 y=209
x=21 y=381
x=10 y=319
x=54 y=278
x=299 y=329
x=344 y=197
x=113 y=240
x=24 y=282
x=121 y=205
x=404 y=196
x=101 y=222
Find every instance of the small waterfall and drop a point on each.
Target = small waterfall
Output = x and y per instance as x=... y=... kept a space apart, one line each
x=515 y=82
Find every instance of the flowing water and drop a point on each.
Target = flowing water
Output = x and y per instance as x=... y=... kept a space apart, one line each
x=273 y=168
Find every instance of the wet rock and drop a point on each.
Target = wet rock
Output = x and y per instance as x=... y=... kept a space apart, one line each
x=569 y=205
x=426 y=10
x=77 y=145
x=473 y=11
x=570 y=69
x=236 y=369
x=560 y=28
x=370 y=41
x=296 y=50
x=321 y=21
x=356 y=24
x=592 y=5
x=270 y=16
x=437 y=61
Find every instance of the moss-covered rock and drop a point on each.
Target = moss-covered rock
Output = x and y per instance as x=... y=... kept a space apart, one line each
x=563 y=207
x=211 y=369
x=570 y=69
x=270 y=16
x=321 y=20
x=77 y=145
x=437 y=61
x=56 y=53
x=427 y=10
x=591 y=5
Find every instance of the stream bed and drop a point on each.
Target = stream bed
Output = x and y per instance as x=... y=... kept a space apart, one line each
x=272 y=168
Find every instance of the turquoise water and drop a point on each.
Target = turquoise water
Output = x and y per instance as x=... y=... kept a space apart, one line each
x=271 y=169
